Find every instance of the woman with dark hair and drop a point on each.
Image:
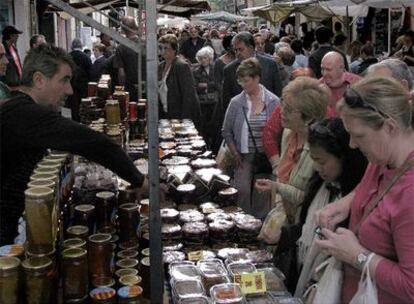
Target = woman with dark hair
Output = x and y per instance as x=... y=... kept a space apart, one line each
x=223 y=60
x=338 y=170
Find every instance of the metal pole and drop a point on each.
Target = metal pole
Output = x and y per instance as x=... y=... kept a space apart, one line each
x=103 y=29
x=140 y=10
x=157 y=278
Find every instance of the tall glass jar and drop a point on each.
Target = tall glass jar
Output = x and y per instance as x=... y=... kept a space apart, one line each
x=99 y=255
x=74 y=243
x=78 y=231
x=41 y=220
x=113 y=115
x=128 y=221
x=9 y=280
x=104 y=206
x=38 y=280
x=85 y=215
x=75 y=274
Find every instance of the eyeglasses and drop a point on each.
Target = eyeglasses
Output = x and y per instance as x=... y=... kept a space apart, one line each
x=321 y=130
x=354 y=100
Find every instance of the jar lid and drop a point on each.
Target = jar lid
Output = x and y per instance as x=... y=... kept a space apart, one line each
x=73 y=253
x=11 y=250
x=102 y=293
x=37 y=263
x=101 y=282
x=46 y=170
x=41 y=183
x=112 y=102
x=145 y=261
x=92 y=83
x=59 y=153
x=49 y=164
x=128 y=253
x=129 y=245
x=41 y=192
x=73 y=243
x=125 y=272
x=77 y=229
x=100 y=238
x=8 y=263
x=105 y=194
x=145 y=252
x=85 y=207
x=127 y=292
x=43 y=176
x=130 y=280
x=127 y=263
x=129 y=207
x=113 y=132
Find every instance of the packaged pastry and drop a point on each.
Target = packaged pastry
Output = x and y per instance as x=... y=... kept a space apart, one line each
x=234 y=253
x=237 y=268
x=169 y=215
x=212 y=273
x=184 y=271
x=218 y=216
x=191 y=216
x=171 y=231
x=227 y=293
x=173 y=256
x=259 y=256
x=183 y=289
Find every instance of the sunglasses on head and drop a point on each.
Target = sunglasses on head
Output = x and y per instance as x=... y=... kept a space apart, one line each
x=354 y=100
x=321 y=130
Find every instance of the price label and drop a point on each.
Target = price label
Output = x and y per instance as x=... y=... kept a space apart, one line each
x=195 y=255
x=208 y=210
x=254 y=282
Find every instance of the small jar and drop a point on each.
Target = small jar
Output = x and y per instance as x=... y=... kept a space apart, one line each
x=130 y=280
x=42 y=183
x=39 y=277
x=128 y=221
x=92 y=89
x=54 y=171
x=127 y=263
x=77 y=231
x=101 y=282
x=43 y=176
x=145 y=252
x=142 y=108
x=123 y=104
x=129 y=245
x=127 y=254
x=103 y=91
x=75 y=273
x=74 y=243
x=104 y=206
x=113 y=115
x=99 y=255
x=85 y=215
x=132 y=110
x=15 y=250
x=9 y=280
x=125 y=272
x=129 y=295
x=103 y=295
x=41 y=220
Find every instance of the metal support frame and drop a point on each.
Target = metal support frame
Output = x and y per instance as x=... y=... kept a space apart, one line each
x=157 y=277
x=103 y=29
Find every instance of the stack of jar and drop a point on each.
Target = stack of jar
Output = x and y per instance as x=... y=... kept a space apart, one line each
x=137 y=121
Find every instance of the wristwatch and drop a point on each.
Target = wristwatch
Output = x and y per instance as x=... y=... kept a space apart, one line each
x=362 y=258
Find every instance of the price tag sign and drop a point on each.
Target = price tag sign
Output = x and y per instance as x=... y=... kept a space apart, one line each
x=195 y=255
x=254 y=282
x=208 y=210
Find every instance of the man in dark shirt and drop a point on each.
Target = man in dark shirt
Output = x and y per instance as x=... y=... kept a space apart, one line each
x=30 y=125
x=192 y=45
x=323 y=36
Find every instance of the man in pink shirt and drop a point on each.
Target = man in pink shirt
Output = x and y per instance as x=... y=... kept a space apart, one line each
x=336 y=77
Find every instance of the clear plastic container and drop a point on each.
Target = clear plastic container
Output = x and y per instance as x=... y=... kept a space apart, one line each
x=194 y=300
x=226 y=293
x=237 y=268
x=186 y=289
x=212 y=272
x=184 y=272
x=274 y=278
x=260 y=299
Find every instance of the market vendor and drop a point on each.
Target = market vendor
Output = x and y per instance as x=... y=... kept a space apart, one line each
x=30 y=124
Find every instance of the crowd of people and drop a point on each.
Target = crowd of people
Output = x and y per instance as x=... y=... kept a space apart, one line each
x=328 y=132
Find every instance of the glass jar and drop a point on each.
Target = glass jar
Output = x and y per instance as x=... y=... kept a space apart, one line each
x=46 y=170
x=39 y=278
x=101 y=282
x=127 y=254
x=92 y=88
x=99 y=255
x=77 y=231
x=42 y=183
x=41 y=220
x=74 y=243
x=85 y=215
x=128 y=221
x=103 y=295
x=129 y=295
x=127 y=263
x=113 y=115
x=15 y=250
x=130 y=280
x=104 y=206
x=49 y=164
x=43 y=176
x=142 y=108
x=103 y=91
x=75 y=273
x=125 y=271
x=9 y=280
x=132 y=107
x=123 y=104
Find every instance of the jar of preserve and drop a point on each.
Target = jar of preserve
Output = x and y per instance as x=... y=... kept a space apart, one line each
x=103 y=91
x=46 y=170
x=9 y=280
x=75 y=273
x=113 y=115
x=85 y=215
x=42 y=183
x=142 y=108
x=39 y=280
x=130 y=280
x=15 y=250
x=123 y=104
x=128 y=221
x=43 y=176
x=114 y=133
x=77 y=231
x=125 y=272
x=127 y=263
x=99 y=255
x=132 y=110
x=127 y=254
x=92 y=88
x=103 y=295
x=41 y=220
x=100 y=282
x=74 y=243
x=129 y=295
x=104 y=207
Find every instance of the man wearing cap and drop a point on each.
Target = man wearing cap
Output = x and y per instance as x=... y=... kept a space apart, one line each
x=14 y=68
x=4 y=89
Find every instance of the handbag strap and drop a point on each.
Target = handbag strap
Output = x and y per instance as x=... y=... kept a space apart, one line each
x=250 y=130
x=406 y=166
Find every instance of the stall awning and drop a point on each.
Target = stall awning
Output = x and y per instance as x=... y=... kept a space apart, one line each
x=181 y=8
x=221 y=16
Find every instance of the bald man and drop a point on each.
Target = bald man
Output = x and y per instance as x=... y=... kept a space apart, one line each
x=4 y=89
x=336 y=77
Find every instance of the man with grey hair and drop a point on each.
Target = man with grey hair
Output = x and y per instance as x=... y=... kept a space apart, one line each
x=244 y=47
x=394 y=68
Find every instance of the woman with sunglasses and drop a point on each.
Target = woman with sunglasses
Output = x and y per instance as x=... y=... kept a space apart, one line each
x=378 y=115
x=178 y=97
x=243 y=123
x=304 y=101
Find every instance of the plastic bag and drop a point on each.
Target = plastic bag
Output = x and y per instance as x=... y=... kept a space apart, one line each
x=271 y=228
x=224 y=160
x=367 y=290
